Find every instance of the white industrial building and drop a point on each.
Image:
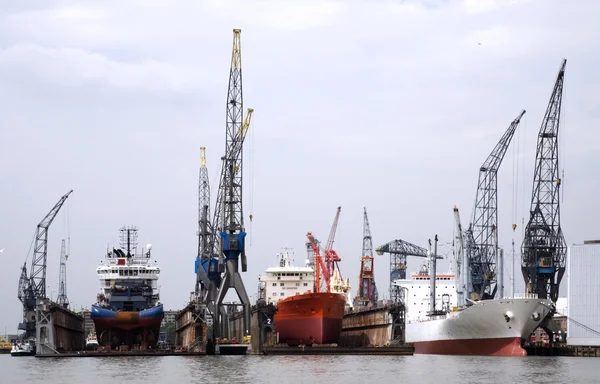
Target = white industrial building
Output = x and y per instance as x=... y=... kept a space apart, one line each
x=583 y=277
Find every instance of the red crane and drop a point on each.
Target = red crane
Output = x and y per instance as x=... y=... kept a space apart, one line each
x=319 y=264
x=328 y=268
x=367 y=290
x=331 y=256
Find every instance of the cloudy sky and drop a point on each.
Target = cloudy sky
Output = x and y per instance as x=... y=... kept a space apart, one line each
x=392 y=105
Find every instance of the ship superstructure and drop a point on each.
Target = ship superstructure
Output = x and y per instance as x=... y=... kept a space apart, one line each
x=286 y=280
x=417 y=293
x=128 y=311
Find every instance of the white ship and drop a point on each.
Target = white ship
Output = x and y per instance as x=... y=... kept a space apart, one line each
x=23 y=348
x=488 y=327
x=92 y=341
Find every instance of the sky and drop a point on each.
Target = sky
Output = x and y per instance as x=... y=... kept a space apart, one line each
x=390 y=105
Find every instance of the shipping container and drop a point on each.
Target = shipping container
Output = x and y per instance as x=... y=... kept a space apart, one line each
x=583 y=276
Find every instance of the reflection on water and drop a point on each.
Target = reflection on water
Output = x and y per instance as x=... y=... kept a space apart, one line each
x=418 y=369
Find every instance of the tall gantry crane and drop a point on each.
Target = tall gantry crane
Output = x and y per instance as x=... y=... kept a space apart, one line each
x=367 y=289
x=206 y=288
x=62 y=277
x=399 y=250
x=228 y=222
x=33 y=287
x=544 y=247
x=482 y=235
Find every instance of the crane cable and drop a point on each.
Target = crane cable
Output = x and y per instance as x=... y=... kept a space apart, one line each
x=562 y=148
x=251 y=176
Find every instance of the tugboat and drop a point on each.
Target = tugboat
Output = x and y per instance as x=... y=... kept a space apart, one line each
x=92 y=341
x=128 y=314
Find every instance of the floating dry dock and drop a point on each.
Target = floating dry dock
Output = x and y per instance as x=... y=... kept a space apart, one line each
x=121 y=354
x=401 y=350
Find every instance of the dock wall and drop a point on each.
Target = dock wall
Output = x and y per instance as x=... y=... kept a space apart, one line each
x=564 y=350
x=58 y=329
x=375 y=327
x=261 y=327
x=190 y=330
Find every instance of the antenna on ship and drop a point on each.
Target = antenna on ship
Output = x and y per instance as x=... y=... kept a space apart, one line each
x=128 y=239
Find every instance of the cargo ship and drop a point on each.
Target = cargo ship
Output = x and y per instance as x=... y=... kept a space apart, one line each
x=128 y=313
x=495 y=327
x=304 y=316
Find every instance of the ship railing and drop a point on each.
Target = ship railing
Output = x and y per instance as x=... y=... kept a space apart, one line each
x=522 y=296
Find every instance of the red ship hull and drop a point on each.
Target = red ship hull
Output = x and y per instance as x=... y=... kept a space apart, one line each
x=510 y=346
x=310 y=318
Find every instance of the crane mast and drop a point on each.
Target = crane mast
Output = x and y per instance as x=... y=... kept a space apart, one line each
x=367 y=289
x=205 y=286
x=62 y=278
x=482 y=234
x=228 y=222
x=461 y=262
x=544 y=246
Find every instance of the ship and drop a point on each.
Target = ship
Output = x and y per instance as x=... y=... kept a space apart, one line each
x=91 y=342
x=494 y=327
x=5 y=345
x=128 y=312
x=304 y=315
x=23 y=348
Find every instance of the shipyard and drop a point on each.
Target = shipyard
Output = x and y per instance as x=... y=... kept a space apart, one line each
x=230 y=201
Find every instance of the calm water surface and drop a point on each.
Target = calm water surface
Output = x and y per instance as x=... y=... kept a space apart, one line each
x=418 y=369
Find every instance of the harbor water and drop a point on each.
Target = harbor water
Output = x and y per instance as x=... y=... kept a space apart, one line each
x=420 y=369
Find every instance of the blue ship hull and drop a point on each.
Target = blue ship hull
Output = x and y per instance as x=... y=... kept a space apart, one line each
x=127 y=328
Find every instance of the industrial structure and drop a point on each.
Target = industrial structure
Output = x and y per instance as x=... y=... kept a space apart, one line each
x=221 y=242
x=228 y=221
x=544 y=248
x=481 y=238
x=33 y=287
x=52 y=325
x=62 y=298
x=206 y=288
x=399 y=250
x=367 y=289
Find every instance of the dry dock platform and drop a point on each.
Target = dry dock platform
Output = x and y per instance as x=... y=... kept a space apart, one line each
x=120 y=354
x=403 y=350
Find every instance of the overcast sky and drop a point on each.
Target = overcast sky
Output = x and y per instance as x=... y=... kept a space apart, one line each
x=392 y=105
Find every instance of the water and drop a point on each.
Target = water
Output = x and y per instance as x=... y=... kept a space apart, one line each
x=419 y=369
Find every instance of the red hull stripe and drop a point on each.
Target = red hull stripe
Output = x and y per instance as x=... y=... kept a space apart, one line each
x=510 y=346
